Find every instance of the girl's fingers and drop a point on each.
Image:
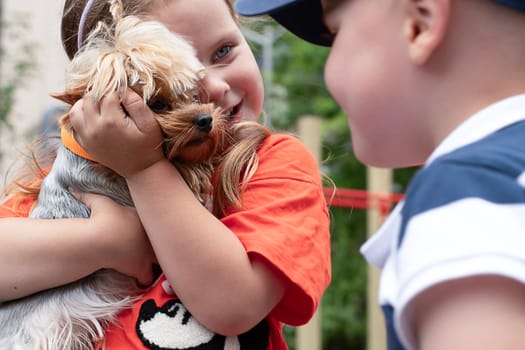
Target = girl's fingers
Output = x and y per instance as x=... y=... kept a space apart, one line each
x=110 y=102
x=82 y=115
x=75 y=114
x=91 y=107
x=139 y=112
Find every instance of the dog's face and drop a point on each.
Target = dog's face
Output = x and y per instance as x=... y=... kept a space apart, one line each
x=163 y=69
x=193 y=131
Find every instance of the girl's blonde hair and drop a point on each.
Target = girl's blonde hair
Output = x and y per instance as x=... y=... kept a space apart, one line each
x=99 y=11
x=37 y=161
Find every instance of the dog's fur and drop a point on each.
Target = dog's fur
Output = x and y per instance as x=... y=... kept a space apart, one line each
x=164 y=70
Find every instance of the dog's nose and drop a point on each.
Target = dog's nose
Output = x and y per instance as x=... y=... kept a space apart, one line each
x=203 y=122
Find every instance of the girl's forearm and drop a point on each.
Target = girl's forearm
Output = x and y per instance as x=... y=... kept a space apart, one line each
x=41 y=254
x=204 y=261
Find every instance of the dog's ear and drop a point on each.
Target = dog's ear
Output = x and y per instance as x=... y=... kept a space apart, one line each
x=69 y=96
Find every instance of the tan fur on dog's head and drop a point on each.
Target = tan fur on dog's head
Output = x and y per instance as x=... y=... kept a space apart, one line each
x=163 y=68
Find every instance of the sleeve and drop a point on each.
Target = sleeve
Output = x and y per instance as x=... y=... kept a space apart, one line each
x=284 y=220
x=460 y=220
x=16 y=207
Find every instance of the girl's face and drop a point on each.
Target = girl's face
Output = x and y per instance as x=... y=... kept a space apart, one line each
x=233 y=80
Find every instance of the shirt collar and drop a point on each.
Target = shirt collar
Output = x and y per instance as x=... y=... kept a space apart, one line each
x=482 y=124
x=490 y=119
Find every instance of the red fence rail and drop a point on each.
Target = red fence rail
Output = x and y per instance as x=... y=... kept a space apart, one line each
x=361 y=199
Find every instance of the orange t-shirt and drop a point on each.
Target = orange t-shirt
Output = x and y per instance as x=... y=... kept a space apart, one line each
x=284 y=221
x=16 y=207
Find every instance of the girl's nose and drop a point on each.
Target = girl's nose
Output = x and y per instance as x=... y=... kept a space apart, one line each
x=215 y=86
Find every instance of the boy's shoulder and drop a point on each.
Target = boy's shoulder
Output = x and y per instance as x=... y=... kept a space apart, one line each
x=501 y=151
x=489 y=169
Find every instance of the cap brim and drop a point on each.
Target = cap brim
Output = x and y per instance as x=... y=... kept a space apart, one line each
x=515 y=4
x=304 y=18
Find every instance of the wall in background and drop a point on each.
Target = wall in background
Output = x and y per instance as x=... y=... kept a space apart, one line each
x=32 y=99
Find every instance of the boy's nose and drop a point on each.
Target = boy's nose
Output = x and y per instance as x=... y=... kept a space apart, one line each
x=203 y=122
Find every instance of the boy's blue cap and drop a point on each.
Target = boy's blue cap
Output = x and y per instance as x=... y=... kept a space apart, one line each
x=304 y=18
x=515 y=4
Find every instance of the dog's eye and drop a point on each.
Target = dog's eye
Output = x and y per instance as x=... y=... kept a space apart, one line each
x=196 y=98
x=159 y=106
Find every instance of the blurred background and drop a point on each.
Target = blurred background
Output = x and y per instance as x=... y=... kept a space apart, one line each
x=32 y=65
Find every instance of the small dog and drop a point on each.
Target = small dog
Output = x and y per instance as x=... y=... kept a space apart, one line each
x=163 y=68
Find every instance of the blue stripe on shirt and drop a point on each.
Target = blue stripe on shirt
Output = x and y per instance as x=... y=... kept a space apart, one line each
x=487 y=169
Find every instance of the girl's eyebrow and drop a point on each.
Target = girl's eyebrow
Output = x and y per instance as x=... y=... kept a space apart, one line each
x=226 y=36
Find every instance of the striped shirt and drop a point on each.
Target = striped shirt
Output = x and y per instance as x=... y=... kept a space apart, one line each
x=463 y=215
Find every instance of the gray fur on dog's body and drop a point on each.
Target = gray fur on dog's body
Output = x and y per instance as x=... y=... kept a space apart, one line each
x=62 y=311
x=72 y=172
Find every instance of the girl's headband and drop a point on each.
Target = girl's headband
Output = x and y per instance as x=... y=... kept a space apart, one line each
x=82 y=23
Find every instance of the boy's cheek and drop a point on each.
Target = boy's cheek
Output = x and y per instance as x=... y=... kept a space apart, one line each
x=335 y=78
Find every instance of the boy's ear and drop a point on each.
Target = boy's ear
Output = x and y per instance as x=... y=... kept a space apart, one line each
x=425 y=27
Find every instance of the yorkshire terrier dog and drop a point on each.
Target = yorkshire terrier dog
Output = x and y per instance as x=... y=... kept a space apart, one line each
x=162 y=67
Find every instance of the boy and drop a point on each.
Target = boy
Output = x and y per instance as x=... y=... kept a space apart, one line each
x=439 y=82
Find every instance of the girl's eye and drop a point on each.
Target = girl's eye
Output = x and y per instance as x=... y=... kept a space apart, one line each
x=222 y=52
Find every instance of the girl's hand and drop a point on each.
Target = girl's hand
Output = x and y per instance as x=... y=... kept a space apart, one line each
x=125 y=138
x=120 y=239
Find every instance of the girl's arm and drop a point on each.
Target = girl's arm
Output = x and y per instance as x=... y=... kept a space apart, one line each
x=42 y=254
x=205 y=262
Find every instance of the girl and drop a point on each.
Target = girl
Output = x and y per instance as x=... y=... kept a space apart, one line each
x=267 y=262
